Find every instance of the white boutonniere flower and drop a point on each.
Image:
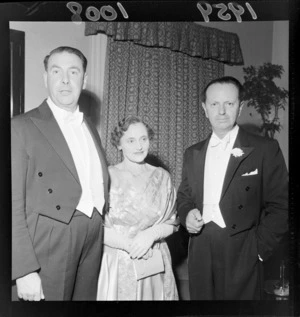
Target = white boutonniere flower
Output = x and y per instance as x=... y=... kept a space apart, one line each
x=237 y=152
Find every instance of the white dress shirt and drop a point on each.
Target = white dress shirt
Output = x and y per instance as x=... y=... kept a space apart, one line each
x=85 y=156
x=216 y=162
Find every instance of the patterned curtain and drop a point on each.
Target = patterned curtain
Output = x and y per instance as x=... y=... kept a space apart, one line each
x=162 y=86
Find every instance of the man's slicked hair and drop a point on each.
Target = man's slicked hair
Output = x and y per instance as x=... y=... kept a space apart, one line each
x=67 y=49
x=225 y=80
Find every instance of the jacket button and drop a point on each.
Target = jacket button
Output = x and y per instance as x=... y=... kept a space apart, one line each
x=50 y=191
x=241 y=207
x=58 y=207
x=233 y=226
x=40 y=174
x=247 y=188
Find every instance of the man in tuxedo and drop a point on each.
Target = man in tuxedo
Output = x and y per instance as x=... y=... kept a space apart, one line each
x=59 y=190
x=233 y=200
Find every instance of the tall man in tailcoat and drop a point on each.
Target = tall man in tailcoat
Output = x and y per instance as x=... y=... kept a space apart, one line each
x=59 y=190
x=233 y=200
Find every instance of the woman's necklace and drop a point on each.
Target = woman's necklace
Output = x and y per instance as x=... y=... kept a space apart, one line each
x=137 y=172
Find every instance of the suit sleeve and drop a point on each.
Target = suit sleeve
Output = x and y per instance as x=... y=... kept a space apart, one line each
x=24 y=260
x=185 y=202
x=274 y=223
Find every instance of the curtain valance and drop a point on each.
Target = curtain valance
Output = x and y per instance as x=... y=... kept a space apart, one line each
x=186 y=37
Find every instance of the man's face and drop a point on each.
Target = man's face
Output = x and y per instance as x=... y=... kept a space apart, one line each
x=222 y=107
x=65 y=79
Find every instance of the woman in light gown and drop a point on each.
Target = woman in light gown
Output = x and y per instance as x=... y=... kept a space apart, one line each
x=136 y=262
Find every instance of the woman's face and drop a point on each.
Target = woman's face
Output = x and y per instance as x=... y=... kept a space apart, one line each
x=135 y=143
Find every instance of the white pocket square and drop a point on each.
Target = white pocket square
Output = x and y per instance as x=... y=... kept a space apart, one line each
x=255 y=172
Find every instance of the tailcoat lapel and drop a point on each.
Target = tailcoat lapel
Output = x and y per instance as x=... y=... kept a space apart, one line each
x=100 y=150
x=48 y=126
x=199 y=161
x=234 y=162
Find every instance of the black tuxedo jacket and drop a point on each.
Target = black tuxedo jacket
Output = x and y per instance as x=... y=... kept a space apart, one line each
x=257 y=201
x=44 y=180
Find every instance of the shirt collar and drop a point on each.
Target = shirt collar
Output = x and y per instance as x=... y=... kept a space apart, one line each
x=64 y=116
x=229 y=138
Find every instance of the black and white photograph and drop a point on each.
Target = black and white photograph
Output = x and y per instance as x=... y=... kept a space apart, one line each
x=150 y=159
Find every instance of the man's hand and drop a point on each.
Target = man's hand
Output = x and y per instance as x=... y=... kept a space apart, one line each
x=30 y=287
x=194 y=222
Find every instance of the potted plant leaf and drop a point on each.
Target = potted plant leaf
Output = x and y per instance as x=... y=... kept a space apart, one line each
x=262 y=93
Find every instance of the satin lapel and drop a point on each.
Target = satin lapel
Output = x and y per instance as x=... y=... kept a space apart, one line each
x=51 y=131
x=97 y=141
x=234 y=162
x=199 y=161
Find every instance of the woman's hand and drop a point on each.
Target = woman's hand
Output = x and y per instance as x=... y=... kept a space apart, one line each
x=126 y=244
x=116 y=240
x=142 y=242
x=148 y=254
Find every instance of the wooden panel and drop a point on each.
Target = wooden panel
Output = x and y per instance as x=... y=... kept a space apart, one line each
x=17 y=70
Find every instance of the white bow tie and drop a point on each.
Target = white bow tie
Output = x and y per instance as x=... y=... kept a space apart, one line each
x=215 y=141
x=75 y=118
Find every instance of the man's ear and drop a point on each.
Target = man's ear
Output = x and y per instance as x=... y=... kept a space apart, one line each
x=45 y=79
x=204 y=108
x=241 y=107
x=85 y=77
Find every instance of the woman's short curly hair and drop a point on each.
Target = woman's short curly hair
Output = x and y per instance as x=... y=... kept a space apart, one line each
x=123 y=126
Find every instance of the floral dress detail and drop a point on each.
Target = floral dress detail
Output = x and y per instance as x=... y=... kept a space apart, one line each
x=133 y=209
